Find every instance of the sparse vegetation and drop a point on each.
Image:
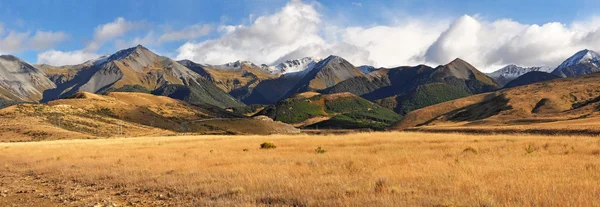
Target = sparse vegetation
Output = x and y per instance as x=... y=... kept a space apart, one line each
x=320 y=150
x=127 y=88
x=343 y=111
x=427 y=95
x=294 y=110
x=363 y=169
x=530 y=149
x=248 y=110
x=470 y=149
x=267 y=145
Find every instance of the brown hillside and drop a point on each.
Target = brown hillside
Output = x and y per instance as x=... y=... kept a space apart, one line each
x=229 y=80
x=87 y=115
x=563 y=104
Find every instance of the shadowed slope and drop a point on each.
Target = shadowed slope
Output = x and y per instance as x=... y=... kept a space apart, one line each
x=552 y=105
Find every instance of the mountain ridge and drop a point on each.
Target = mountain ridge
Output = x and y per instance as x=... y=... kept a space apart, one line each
x=581 y=63
x=511 y=72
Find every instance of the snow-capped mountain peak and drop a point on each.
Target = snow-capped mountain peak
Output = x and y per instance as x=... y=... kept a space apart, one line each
x=584 y=56
x=292 y=66
x=513 y=71
x=237 y=65
x=288 y=66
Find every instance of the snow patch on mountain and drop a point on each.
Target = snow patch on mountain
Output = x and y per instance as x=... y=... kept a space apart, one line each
x=584 y=56
x=513 y=71
x=293 y=66
x=366 y=69
x=288 y=66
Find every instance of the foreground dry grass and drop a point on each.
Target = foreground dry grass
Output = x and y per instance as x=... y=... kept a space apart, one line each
x=366 y=169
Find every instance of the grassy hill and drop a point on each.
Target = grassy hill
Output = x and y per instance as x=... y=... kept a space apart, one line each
x=341 y=110
x=87 y=115
x=568 y=105
x=529 y=78
x=422 y=96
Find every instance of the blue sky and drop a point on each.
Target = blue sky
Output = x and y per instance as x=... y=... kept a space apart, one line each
x=74 y=25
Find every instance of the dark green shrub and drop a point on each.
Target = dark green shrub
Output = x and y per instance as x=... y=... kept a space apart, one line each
x=267 y=145
x=320 y=150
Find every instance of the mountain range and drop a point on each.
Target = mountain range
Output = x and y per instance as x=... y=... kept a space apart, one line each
x=248 y=87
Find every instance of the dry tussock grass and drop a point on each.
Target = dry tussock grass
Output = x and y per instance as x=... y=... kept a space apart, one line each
x=364 y=169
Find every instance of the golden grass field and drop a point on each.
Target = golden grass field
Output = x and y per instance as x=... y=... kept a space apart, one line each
x=362 y=169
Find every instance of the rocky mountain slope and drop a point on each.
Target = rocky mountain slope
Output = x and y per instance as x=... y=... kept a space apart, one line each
x=138 y=69
x=318 y=77
x=581 y=63
x=20 y=81
x=238 y=79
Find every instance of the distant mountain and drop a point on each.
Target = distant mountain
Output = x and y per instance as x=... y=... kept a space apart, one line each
x=323 y=75
x=20 y=81
x=582 y=63
x=238 y=79
x=340 y=110
x=529 y=78
x=288 y=66
x=407 y=88
x=138 y=69
x=293 y=66
x=511 y=72
x=366 y=69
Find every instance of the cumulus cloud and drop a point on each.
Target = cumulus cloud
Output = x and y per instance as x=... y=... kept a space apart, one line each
x=270 y=37
x=102 y=34
x=109 y=31
x=46 y=39
x=54 y=57
x=147 y=40
x=297 y=30
x=13 y=42
x=187 y=33
x=490 y=45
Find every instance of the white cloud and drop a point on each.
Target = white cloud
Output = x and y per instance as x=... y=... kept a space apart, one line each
x=13 y=42
x=297 y=30
x=22 y=41
x=270 y=37
x=357 y=4
x=188 y=33
x=393 y=45
x=109 y=31
x=490 y=45
x=147 y=40
x=102 y=34
x=54 y=57
x=46 y=39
